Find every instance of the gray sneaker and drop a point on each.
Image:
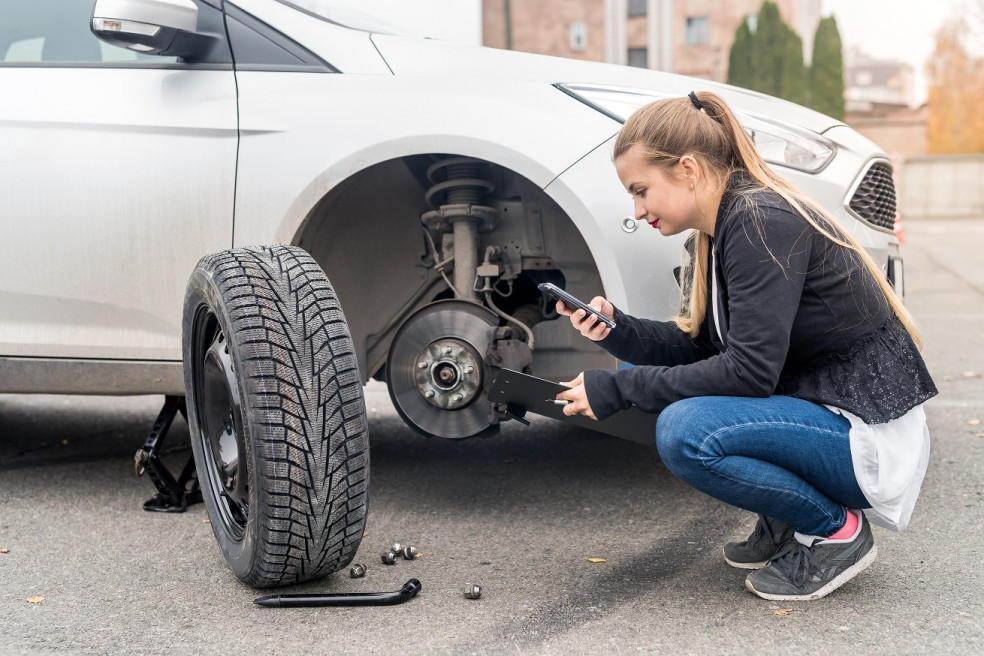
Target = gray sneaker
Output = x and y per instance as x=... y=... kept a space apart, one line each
x=761 y=545
x=801 y=573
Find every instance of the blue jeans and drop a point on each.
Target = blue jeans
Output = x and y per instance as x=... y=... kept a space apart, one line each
x=781 y=457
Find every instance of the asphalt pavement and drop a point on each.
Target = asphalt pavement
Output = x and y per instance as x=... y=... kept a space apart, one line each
x=83 y=569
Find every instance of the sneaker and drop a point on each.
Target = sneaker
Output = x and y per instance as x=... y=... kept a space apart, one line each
x=761 y=545
x=803 y=573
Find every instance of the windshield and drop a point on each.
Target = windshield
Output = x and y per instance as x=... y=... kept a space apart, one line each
x=348 y=14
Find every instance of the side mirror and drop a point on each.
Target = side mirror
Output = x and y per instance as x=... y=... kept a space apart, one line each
x=154 y=27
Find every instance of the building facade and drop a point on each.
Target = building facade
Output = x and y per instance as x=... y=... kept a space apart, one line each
x=690 y=37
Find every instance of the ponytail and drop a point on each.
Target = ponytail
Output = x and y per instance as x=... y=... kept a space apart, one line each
x=702 y=125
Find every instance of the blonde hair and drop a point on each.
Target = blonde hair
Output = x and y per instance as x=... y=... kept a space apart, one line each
x=667 y=130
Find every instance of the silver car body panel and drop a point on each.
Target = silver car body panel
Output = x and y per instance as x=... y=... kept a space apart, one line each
x=98 y=250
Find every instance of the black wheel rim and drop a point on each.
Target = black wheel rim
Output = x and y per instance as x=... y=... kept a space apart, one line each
x=220 y=435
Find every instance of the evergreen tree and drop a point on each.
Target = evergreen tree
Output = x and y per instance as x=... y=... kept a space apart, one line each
x=769 y=50
x=827 y=70
x=741 y=60
x=770 y=60
x=793 y=78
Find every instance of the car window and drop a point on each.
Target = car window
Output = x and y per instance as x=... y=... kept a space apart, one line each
x=57 y=31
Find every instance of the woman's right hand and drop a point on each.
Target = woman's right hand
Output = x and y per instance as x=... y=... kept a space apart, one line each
x=586 y=323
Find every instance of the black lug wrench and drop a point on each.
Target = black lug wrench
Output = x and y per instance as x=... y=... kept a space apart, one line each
x=409 y=591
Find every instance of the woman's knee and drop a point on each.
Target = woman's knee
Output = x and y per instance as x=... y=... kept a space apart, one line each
x=678 y=432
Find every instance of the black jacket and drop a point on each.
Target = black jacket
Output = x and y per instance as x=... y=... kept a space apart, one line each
x=798 y=315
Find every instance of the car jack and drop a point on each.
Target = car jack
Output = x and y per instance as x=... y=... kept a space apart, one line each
x=174 y=495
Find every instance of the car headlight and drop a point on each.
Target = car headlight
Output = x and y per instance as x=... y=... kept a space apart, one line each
x=778 y=143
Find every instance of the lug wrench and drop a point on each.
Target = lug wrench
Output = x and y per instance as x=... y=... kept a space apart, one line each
x=409 y=591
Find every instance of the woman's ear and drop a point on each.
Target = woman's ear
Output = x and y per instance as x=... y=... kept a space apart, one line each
x=690 y=168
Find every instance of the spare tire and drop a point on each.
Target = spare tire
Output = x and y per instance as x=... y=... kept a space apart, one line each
x=276 y=413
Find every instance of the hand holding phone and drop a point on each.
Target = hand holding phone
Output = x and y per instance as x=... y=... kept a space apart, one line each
x=551 y=290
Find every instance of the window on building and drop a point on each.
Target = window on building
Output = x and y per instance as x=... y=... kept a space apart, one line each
x=752 y=20
x=639 y=57
x=698 y=30
x=637 y=7
x=579 y=36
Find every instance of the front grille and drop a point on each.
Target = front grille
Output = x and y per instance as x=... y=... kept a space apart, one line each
x=874 y=200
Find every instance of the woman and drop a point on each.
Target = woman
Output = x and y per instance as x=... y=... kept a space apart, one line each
x=791 y=384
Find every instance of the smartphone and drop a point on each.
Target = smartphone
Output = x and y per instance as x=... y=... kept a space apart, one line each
x=551 y=290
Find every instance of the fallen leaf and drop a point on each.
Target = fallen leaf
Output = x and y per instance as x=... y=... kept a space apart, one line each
x=366 y=534
x=4 y=550
x=36 y=600
x=971 y=374
x=206 y=521
x=418 y=555
x=975 y=435
x=597 y=560
x=783 y=611
x=974 y=422
x=64 y=441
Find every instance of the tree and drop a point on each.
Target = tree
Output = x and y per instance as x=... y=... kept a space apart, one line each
x=770 y=59
x=793 y=79
x=769 y=47
x=956 y=86
x=827 y=70
x=741 y=62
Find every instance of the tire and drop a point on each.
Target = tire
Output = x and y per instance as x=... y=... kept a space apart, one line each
x=276 y=413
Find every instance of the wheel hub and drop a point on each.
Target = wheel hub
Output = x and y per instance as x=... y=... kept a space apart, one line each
x=436 y=371
x=449 y=374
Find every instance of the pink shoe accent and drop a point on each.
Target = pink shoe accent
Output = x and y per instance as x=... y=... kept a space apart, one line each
x=848 y=530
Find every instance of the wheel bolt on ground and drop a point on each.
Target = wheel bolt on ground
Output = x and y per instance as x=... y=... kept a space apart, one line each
x=473 y=591
x=389 y=558
x=358 y=571
x=409 y=553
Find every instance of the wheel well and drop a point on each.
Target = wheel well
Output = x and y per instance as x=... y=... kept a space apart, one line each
x=368 y=236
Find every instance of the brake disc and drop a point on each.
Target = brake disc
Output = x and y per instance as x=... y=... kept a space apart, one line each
x=436 y=369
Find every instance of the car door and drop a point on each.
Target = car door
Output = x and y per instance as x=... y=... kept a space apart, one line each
x=117 y=173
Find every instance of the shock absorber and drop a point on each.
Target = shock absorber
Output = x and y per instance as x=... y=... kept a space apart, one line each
x=457 y=192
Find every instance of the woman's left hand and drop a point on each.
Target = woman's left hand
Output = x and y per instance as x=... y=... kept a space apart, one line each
x=577 y=398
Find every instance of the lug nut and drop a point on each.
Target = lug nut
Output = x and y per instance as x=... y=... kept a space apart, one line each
x=358 y=571
x=389 y=558
x=396 y=548
x=473 y=591
x=409 y=553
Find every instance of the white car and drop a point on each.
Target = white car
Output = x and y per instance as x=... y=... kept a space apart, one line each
x=149 y=141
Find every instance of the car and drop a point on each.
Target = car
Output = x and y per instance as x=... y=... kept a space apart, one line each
x=260 y=205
